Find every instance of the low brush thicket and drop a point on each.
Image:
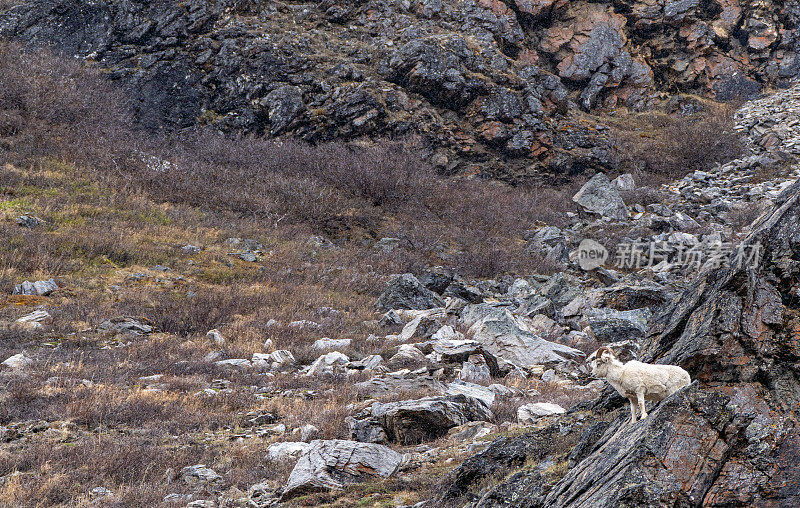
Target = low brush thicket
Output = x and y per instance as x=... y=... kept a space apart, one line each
x=58 y=108
x=658 y=147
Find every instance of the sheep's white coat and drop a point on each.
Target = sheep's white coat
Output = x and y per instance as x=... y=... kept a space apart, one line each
x=637 y=381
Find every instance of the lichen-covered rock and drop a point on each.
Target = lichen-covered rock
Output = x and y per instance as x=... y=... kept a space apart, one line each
x=415 y=421
x=610 y=325
x=406 y=292
x=601 y=197
x=528 y=413
x=38 y=288
x=328 y=465
x=503 y=336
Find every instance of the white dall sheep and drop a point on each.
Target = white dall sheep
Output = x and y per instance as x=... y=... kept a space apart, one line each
x=637 y=381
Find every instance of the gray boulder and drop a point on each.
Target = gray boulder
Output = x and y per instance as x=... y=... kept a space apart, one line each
x=326 y=344
x=625 y=182
x=333 y=464
x=286 y=450
x=462 y=351
x=36 y=320
x=610 y=325
x=561 y=289
x=504 y=337
x=471 y=314
x=407 y=356
x=386 y=385
x=549 y=241
x=472 y=390
x=529 y=413
x=599 y=196
x=535 y=304
x=467 y=292
x=329 y=364
x=38 y=288
x=406 y=292
x=421 y=328
x=415 y=421
x=366 y=431
x=125 y=325
x=29 y=221
x=370 y=362
x=475 y=370
x=17 y=362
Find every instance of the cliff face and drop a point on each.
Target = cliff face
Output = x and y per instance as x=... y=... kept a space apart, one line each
x=733 y=439
x=481 y=80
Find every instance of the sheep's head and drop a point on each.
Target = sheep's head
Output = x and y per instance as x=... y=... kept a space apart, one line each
x=600 y=360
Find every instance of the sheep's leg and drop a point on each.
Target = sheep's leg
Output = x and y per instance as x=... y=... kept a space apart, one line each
x=640 y=397
x=633 y=409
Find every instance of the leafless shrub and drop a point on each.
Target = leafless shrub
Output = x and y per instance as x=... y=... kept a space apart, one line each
x=58 y=474
x=741 y=218
x=182 y=314
x=645 y=195
x=340 y=190
x=656 y=145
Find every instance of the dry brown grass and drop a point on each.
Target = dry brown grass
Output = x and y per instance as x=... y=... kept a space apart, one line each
x=505 y=408
x=657 y=147
x=349 y=192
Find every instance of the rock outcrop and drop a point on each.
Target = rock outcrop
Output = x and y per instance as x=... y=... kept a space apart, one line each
x=730 y=439
x=600 y=196
x=406 y=292
x=327 y=465
x=482 y=81
x=503 y=337
x=415 y=421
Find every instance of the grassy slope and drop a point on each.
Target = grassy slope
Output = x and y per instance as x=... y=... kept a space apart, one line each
x=68 y=156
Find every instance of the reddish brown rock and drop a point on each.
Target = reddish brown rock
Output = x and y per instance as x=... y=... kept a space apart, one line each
x=536 y=8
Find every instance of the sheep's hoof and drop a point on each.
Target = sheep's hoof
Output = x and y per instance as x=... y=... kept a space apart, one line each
x=644 y=415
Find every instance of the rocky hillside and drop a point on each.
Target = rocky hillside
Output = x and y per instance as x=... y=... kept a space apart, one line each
x=177 y=330
x=191 y=319
x=493 y=87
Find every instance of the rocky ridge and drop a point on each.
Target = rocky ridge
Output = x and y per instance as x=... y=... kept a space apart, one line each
x=486 y=84
x=731 y=437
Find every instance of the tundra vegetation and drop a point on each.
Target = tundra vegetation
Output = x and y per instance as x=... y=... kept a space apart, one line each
x=154 y=239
